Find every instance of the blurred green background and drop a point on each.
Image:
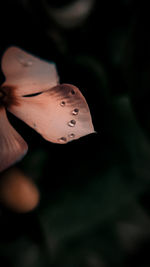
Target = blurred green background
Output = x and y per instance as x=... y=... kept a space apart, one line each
x=95 y=192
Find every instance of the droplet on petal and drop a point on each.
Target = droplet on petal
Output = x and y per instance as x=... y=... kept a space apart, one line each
x=72 y=135
x=62 y=139
x=72 y=123
x=72 y=92
x=63 y=103
x=25 y=62
x=75 y=111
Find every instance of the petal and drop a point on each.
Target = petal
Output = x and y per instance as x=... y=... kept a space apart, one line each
x=71 y=15
x=12 y=146
x=60 y=114
x=27 y=73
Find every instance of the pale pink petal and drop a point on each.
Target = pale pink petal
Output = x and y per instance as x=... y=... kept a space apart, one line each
x=60 y=114
x=12 y=146
x=27 y=73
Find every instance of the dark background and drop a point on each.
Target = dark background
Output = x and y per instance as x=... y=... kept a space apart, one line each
x=95 y=203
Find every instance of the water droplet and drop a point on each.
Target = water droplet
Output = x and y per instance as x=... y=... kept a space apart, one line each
x=75 y=111
x=62 y=139
x=72 y=123
x=63 y=103
x=29 y=62
x=72 y=92
x=25 y=62
x=72 y=135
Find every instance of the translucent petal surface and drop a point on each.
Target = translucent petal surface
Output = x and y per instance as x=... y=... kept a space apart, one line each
x=12 y=146
x=27 y=73
x=60 y=114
